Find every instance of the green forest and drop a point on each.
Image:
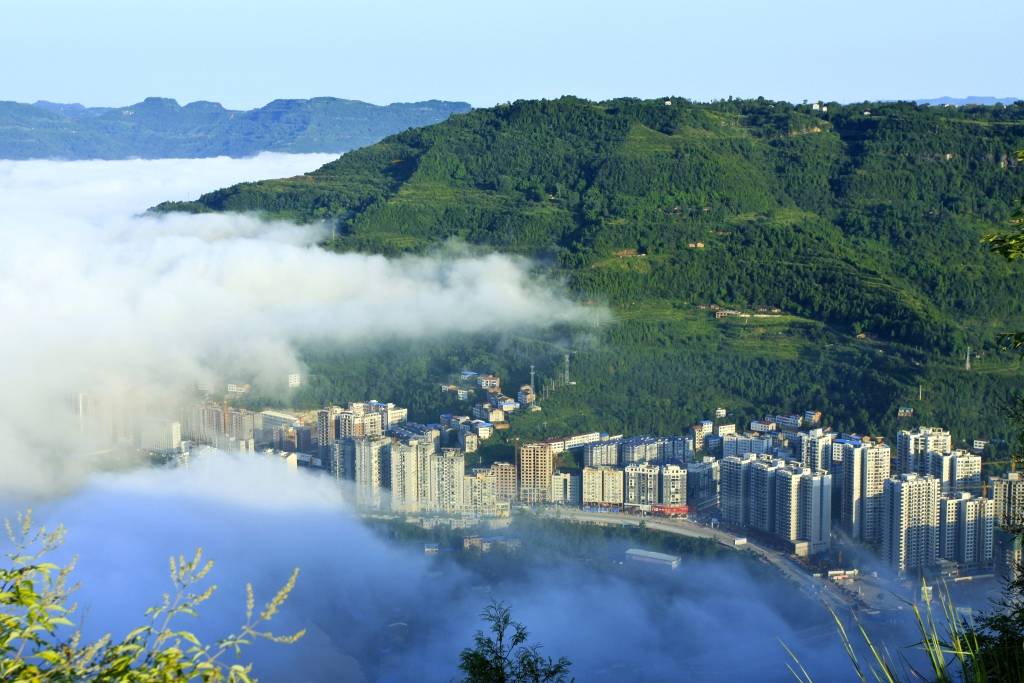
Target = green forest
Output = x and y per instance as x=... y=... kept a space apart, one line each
x=862 y=223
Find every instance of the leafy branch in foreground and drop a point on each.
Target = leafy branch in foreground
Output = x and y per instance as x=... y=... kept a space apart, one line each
x=506 y=657
x=39 y=643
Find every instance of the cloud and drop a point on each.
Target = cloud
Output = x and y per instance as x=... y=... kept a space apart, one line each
x=97 y=298
x=380 y=610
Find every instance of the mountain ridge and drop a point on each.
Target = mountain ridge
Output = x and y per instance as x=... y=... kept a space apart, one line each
x=970 y=100
x=862 y=223
x=160 y=127
x=584 y=181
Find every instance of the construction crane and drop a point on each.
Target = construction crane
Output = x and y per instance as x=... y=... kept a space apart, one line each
x=989 y=463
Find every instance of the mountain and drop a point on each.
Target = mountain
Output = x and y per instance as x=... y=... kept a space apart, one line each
x=160 y=127
x=969 y=101
x=862 y=223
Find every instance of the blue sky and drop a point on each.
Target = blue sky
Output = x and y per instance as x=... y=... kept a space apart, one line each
x=246 y=53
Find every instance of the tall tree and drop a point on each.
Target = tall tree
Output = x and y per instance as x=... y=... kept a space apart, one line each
x=505 y=657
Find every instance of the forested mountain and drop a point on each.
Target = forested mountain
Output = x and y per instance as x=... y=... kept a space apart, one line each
x=160 y=127
x=854 y=219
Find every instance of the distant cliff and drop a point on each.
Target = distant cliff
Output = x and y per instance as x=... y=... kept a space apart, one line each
x=160 y=127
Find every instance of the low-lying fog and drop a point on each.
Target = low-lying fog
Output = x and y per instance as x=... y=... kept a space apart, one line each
x=99 y=299
x=379 y=610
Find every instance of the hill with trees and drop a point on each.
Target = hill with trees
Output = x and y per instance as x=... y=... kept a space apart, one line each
x=161 y=128
x=862 y=223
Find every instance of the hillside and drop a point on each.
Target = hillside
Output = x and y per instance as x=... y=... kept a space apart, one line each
x=160 y=127
x=860 y=219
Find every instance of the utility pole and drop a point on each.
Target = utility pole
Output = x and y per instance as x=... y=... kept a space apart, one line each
x=567 y=369
x=967 y=361
x=531 y=379
x=920 y=392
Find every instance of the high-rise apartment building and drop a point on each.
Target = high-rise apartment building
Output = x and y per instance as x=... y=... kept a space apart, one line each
x=741 y=444
x=702 y=481
x=342 y=460
x=480 y=494
x=446 y=478
x=910 y=521
x=1008 y=496
x=815 y=514
x=505 y=483
x=912 y=446
x=359 y=423
x=787 y=502
x=601 y=453
x=1008 y=553
x=673 y=485
x=641 y=449
x=566 y=488
x=966 y=527
x=159 y=434
x=814 y=449
x=372 y=470
x=535 y=463
x=326 y=425
x=390 y=414
x=641 y=484
x=865 y=469
x=405 y=476
x=735 y=479
x=602 y=486
x=700 y=431
x=956 y=471
x=761 y=493
x=803 y=507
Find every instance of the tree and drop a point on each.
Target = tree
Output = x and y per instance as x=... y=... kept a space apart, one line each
x=1000 y=636
x=38 y=642
x=505 y=657
x=1011 y=246
x=1001 y=632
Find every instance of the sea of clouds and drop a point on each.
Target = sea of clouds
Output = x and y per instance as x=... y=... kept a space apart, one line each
x=98 y=297
x=379 y=610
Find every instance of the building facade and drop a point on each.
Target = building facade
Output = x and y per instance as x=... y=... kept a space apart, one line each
x=910 y=521
x=865 y=470
x=535 y=465
x=912 y=446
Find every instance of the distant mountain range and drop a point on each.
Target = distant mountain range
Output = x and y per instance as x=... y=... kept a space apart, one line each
x=971 y=99
x=160 y=127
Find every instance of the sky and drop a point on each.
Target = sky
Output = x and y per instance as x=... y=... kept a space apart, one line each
x=246 y=53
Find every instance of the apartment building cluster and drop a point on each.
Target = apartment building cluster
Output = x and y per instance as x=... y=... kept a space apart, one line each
x=785 y=476
x=232 y=428
x=784 y=498
x=784 y=479
x=410 y=467
x=930 y=512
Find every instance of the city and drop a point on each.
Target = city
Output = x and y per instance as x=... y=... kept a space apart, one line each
x=785 y=486
x=512 y=342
